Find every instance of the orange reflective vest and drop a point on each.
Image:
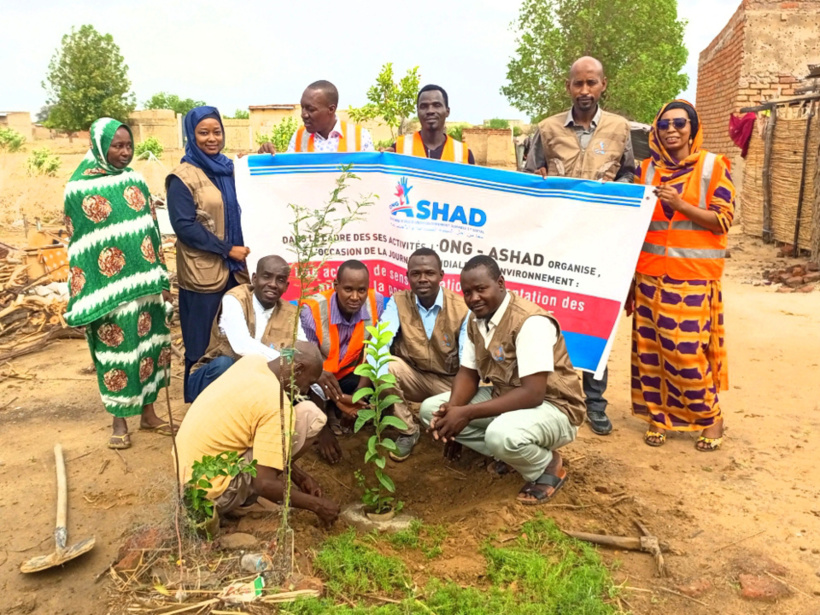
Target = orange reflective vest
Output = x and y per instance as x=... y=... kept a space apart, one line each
x=454 y=151
x=304 y=139
x=678 y=247
x=328 y=334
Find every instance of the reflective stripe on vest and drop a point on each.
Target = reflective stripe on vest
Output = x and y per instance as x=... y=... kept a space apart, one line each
x=696 y=256
x=454 y=151
x=304 y=139
x=328 y=335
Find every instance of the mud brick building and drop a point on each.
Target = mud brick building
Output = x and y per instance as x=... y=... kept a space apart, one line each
x=761 y=54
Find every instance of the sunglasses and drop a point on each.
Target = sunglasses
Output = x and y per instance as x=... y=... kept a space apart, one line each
x=679 y=123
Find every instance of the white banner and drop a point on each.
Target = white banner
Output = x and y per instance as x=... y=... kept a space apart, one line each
x=568 y=245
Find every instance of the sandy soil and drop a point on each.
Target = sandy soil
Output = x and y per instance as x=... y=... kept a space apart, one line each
x=757 y=499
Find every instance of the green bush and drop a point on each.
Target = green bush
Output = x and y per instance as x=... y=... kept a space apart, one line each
x=497 y=123
x=280 y=134
x=517 y=132
x=151 y=144
x=43 y=162
x=455 y=132
x=11 y=140
x=240 y=114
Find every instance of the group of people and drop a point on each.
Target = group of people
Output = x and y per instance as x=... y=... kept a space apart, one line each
x=479 y=365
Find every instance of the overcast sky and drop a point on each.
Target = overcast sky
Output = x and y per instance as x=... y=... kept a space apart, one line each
x=249 y=52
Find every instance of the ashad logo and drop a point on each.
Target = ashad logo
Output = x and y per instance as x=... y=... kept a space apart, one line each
x=435 y=211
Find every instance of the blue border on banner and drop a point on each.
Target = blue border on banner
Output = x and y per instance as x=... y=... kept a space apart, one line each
x=610 y=193
x=585 y=350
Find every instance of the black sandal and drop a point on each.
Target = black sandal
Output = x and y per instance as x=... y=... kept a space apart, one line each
x=541 y=496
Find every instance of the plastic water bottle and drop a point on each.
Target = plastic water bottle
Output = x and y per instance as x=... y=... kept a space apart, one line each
x=255 y=562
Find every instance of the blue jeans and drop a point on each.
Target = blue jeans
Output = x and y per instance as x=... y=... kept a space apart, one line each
x=205 y=375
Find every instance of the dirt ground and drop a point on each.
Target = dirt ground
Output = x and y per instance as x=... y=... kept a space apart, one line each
x=754 y=503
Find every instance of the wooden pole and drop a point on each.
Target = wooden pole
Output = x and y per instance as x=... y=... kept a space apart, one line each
x=815 y=226
x=768 y=143
x=801 y=191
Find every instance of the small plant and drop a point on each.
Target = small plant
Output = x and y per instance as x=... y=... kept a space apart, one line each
x=377 y=498
x=151 y=144
x=43 y=162
x=385 y=143
x=314 y=231
x=280 y=134
x=517 y=132
x=200 y=509
x=11 y=140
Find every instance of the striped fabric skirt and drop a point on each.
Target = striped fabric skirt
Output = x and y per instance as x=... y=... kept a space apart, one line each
x=678 y=352
x=131 y=347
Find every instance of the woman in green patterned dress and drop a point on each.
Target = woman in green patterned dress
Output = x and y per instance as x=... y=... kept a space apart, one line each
x=118 y=282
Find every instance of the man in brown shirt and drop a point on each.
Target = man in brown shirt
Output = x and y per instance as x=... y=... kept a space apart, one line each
x=535 y=403
x=428 y=325
x=588 y=143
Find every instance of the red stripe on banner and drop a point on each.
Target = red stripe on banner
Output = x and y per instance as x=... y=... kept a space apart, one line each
x=575 y=312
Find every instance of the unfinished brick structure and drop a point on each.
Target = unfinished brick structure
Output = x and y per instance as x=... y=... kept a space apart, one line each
x=761 y=54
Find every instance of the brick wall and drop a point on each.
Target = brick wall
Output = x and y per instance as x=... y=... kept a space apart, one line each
x=719 y=79
x=761 y=54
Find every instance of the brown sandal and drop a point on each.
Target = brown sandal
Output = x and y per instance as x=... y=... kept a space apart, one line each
x=119 y=443
x=660 y=438
x=708 y=445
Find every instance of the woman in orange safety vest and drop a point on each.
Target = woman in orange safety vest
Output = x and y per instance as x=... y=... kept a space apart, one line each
x=678 y=350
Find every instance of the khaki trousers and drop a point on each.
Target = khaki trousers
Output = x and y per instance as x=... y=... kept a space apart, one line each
x=413 y=385
x=524 y=439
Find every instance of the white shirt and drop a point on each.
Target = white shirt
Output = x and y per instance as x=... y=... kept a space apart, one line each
x=331 y=144
x=536 y=335
x=233 y=325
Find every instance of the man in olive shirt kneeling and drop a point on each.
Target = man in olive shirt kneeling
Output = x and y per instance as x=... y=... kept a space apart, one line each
x=535 y=404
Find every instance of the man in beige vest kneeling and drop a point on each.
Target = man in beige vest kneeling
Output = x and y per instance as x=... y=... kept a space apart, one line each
x=585 y=142
x=535 y=404
x=428 y=323
x=253 y=319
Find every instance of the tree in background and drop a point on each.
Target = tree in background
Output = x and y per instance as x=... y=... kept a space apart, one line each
x=239 y=114
x=497 y=123
x=163 y=100
x=280 y=134
x=639 y=42
x=390 y=102
x=87 y=79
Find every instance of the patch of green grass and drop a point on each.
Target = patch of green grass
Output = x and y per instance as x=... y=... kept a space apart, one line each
x=352 y=568
x=543 y=573
x=426 y=538
x=546 y=565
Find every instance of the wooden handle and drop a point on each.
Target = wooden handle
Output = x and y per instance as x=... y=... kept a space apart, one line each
x=60 y=532
x=619 y=542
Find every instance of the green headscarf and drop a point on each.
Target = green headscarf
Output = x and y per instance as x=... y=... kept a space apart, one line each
x=96 y=162
x=115 y=252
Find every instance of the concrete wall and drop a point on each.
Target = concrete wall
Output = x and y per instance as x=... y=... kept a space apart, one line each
x=238 y=135
x=163 y=124
x=19 y=121
x=491 y=147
